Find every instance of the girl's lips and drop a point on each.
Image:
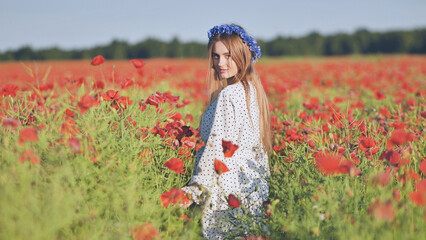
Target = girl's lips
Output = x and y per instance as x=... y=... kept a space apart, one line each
x=223 y=70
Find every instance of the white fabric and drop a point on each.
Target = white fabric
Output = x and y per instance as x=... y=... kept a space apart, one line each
x=227 y=118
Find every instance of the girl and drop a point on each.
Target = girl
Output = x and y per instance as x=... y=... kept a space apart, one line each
x=231 y=171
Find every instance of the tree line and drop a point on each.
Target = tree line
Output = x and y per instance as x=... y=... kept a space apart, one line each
x=361 y=41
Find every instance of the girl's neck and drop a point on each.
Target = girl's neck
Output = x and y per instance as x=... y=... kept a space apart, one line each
x=231 y=81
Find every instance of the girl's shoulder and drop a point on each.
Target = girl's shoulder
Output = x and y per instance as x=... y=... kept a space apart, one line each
x=236 y=93
x=232 y=91
x=236 y=89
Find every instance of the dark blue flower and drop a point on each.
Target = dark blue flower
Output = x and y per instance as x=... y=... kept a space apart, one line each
x=230 y=29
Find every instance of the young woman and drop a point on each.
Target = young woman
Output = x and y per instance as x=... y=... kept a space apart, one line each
x=232 y=186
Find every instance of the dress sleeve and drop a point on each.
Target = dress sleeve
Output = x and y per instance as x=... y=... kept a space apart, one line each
x=223 y=127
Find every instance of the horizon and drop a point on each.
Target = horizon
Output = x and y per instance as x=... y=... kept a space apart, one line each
x=182 y=41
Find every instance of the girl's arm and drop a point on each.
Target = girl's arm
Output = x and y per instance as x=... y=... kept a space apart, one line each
x=224 y=127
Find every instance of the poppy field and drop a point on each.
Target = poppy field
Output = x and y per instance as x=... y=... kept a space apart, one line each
x=99 y=149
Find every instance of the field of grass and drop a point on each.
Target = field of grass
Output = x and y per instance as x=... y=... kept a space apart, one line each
x=83 y=148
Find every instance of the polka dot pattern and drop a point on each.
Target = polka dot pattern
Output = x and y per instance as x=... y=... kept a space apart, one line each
x=227 y=118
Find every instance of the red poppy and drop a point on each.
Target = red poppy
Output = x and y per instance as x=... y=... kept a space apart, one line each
x=172 y=99
x=74 y=144
x=127 y=82
x=11 y=122
x=220 y=167
x=69 y=112
x=383 y=211
x=325 y=127
x=288 y=122
x=45 y=87
x=228 y=148
x=98 y=60
x=399 y=137
x=9 y=90
x=141 y=73
x=393 y=157
x=418 y=197
x=121 y=103
x=233 y=201
x=253 y=237
x=155 y=99
x=278 y=148
x=185 y=217
x=330 y=164
x=379 y=95
x=398 y=125
x=189 y=118
x=174 y=196
x=86 y=102
x=27 y=135
x=144 y=232
x=422 y=167
x=385 y=111
x=366 y=143
x=142 y=106
x=175 y=116
x=110 y=95
x=411 y=174
x=412 y=102
x=188 y=142
x=98 y=85
x=383 y=178
x=137 y=63
x=199 y=145
x=175 y=164
x=29 y=155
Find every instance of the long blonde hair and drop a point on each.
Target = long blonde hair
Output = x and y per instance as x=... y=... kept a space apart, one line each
x=241 y=55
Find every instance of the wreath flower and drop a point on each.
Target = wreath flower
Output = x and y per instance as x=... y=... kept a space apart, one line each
x=231 y=29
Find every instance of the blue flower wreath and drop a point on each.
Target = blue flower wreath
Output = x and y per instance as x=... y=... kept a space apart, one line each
x=229 y=29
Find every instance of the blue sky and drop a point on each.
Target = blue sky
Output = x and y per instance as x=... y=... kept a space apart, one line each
x=82 y=24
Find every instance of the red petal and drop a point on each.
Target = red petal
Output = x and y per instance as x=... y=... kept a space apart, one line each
x=97 y=60
x=69 y=112
x=11 y=122
x=422 y=167
x=383 y=178
x=74 y=144
x=29 y=155
x=220 y=167
x=27 y=135
x=175 y=164
x=330 y=164
x=137 y=63
x=366 y=143
x=384 y=211
x=418 y=198
x=233 y=201
x=391 y=156
x=144 y=232
x=228 y=148
x=174 y=196
x=399 y=137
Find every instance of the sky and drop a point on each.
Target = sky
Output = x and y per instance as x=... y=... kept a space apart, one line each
x=87 y=23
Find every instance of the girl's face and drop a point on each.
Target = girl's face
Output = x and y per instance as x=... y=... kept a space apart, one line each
x=222 y=61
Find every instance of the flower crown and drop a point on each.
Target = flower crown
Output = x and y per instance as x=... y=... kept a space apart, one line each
x=229 y=29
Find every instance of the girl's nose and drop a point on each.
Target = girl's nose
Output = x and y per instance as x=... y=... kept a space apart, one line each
x=222 y=61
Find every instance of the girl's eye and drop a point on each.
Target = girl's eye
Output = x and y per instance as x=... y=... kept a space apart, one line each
x=215 y=57
x=228 y=56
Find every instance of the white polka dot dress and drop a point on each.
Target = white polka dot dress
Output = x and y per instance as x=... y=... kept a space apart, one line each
x=227 y=118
